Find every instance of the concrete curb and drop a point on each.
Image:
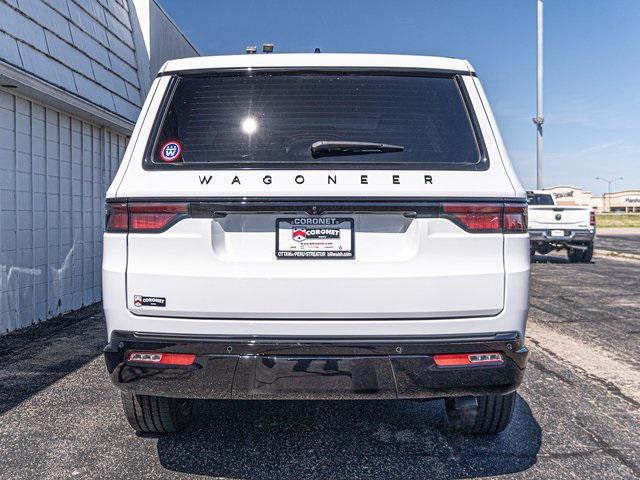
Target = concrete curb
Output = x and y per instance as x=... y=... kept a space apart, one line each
x=612 y=253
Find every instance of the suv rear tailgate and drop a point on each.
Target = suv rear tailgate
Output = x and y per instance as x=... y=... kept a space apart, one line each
x=403 y=268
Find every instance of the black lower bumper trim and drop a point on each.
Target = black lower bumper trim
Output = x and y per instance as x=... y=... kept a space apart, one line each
x=571 y=236
x=312 y=368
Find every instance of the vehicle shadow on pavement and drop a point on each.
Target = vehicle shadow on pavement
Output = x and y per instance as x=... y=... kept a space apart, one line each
x=373 y=439
x=556 y=259
x=35 y=357
x=549 y=259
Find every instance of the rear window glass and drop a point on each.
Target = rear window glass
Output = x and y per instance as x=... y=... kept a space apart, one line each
x=267 y=120
x=540 y=199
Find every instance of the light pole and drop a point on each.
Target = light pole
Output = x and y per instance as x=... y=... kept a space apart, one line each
x=538 y=120
x=609 y=183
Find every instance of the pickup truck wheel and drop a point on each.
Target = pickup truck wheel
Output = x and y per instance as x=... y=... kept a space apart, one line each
x=587 y=255
x=486 y=415
x=575 y=255
x=149 y=414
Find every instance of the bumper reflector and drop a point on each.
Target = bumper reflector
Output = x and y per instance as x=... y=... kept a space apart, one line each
x=462 y=359
x=159 y=358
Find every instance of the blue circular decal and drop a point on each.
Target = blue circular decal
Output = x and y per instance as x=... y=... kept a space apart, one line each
x=170 y=151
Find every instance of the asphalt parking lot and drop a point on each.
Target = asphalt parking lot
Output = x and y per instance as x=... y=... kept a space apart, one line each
x=577 y=415
x=619 y=242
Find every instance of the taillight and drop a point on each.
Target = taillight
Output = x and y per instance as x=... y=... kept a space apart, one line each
x=475 y=217
x=592 y=218
x=514 y=218
x=161 y=358
x=144 y=217
x=487 y=217
x=117 y=217
x=155 y=217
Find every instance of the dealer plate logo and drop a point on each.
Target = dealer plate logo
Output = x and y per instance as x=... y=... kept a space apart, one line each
x=299 y=234
x=142 y=301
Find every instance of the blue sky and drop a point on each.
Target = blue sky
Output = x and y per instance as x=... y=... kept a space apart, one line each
x=592 y=64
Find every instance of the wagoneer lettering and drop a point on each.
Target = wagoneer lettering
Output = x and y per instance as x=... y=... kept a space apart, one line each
x=331 y=179
x=312 y=214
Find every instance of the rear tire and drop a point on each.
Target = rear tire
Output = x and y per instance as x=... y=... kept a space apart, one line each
x=582 y=256
x=587 y=255
x=490 y=416
x=149 y=414
x=574 y=255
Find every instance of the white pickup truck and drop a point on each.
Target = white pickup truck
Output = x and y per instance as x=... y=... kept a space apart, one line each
x=554 y=227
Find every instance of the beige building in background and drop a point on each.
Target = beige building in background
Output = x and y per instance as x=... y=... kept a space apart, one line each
x=626 y=201
x=568 y=195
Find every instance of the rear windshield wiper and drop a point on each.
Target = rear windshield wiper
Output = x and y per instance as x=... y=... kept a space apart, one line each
x=326 y=148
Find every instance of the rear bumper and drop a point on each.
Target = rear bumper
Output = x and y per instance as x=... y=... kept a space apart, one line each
x=571 y=236
x=311 y=368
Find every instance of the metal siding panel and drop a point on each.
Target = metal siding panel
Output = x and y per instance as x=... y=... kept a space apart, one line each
x=125 y=51
x=122 y=3
x=81 y=226
x=87 y=252
x=38 y=227
x=133 y=94
x=90 y=46
x=55 y=170
x=46 y=16
x=119 y=29
x=124 y=69
x=8 y=237
x=60 y=6
x=125 y=108
x=109 y=80
x=53 y=207
x=62 y=42
x=68 y=55
x=66 y=213
x=87 y=217
x=117 y=11
x=96 y=197
x=93 y=8
x=9 y=50
x=90 y=89
x=24 y=269
x=44 y=67
x=19 y=26
x=87 y=221
x=76 y=212
x=88 y=23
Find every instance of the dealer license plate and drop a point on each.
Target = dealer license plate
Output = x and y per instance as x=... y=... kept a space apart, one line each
x=314 y=237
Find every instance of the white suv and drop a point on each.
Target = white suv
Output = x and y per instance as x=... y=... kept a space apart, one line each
x=316 y=226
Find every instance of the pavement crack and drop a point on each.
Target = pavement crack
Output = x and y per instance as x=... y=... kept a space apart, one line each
x=577 y=365
x=610 y=450
x=547 y=370
x=565 y=318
